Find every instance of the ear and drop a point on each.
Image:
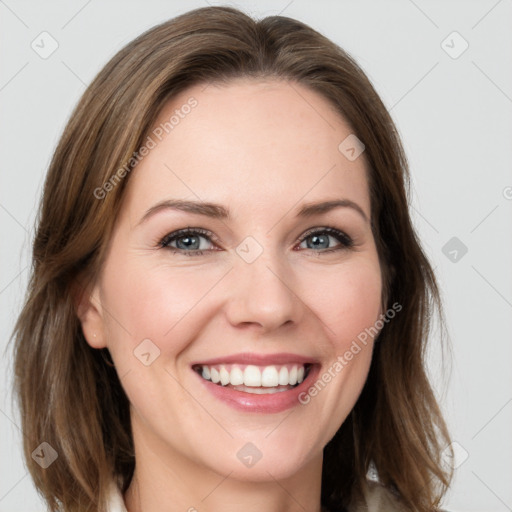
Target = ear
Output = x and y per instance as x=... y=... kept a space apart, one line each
x=90 y=313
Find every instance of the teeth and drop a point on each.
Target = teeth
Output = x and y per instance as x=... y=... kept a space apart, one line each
x=269 y=377
x=293 y=376
x=224 y=376
x=254 y=376
x=214 y=376
x=236 y=377
x=260 y=391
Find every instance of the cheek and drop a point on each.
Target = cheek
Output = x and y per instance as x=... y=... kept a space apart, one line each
x=347 y=300
x=156 y=302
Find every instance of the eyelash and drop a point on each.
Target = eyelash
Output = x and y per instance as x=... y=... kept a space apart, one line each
x=345 y=241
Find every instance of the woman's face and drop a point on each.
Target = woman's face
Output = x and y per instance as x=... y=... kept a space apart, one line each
x=259 y=286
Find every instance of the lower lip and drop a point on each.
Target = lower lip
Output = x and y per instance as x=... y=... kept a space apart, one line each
x=267 y=403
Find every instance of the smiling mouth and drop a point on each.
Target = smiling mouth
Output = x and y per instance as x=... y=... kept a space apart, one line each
x=255 y=379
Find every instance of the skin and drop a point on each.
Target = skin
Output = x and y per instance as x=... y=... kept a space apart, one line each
x=262 y=149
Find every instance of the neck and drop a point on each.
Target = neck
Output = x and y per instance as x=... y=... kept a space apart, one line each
x=167 y=480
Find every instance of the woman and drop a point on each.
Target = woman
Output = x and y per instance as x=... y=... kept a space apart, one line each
x=229 y=305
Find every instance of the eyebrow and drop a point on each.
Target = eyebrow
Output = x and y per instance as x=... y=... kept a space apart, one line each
x=217 y=211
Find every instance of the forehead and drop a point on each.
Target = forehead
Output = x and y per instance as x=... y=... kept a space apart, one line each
x=248 y=144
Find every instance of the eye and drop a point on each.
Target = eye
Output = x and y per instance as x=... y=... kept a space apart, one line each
x=324 y=238
x=189 y=241
x=193 y=241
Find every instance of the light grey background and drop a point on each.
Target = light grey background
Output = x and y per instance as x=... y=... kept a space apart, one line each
x=454 y=115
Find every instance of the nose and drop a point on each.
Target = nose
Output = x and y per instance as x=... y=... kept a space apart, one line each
x=261 y=294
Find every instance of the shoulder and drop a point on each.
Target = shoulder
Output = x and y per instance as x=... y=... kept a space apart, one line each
x=378 y=498
x=115 y=502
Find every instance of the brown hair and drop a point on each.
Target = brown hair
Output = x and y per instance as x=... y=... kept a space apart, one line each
x=72 y=398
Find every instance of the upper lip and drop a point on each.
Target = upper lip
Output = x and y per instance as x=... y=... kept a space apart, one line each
x=259 y=359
